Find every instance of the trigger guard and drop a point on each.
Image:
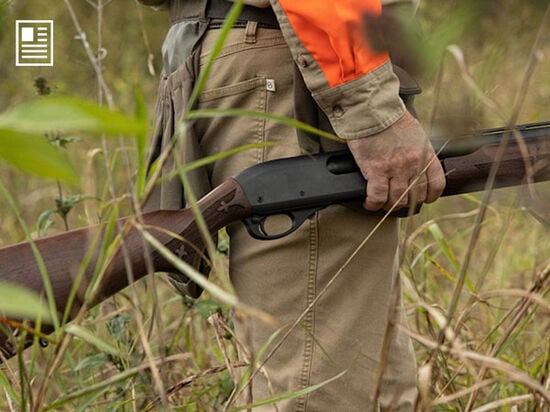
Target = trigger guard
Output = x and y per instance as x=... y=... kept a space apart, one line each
x=255 y=223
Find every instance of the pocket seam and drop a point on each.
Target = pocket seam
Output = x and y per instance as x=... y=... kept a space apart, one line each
x=238 y=47
x=231 y=90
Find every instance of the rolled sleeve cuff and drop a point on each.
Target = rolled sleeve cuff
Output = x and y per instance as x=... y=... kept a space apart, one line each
x=364 y=106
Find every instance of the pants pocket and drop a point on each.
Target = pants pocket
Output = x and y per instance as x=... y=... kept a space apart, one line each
x=222 y=133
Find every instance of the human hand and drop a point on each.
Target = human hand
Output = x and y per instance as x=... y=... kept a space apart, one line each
x=394 y=159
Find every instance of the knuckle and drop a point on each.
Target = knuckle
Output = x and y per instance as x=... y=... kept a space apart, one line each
x=379 y=167
x=413 y=157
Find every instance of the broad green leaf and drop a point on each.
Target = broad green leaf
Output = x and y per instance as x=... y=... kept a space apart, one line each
x=19 y=302
x=34 y=155
x=67 y=114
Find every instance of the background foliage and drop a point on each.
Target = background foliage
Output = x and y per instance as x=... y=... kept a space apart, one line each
x=496 y=318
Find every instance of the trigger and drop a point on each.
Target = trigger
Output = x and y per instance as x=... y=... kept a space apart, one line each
x=255 y=226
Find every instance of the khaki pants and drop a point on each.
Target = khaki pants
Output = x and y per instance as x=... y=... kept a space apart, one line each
x=346 y=328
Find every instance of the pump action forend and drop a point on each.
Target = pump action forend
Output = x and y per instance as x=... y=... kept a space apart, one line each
x=296 y=187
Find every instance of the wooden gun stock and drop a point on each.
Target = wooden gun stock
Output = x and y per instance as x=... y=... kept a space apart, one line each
x=64 y=253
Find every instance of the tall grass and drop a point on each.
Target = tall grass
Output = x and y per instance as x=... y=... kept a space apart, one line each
x=475 y=268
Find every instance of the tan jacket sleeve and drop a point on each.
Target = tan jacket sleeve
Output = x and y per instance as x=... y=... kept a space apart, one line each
x=354 y=85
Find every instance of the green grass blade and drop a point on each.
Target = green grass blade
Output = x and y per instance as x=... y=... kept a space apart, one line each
x=191 y=272
x=206 y=160
x=248 y=372
x=140 y=114
x=207 y=113
x=447 y=250
x=89 y=337
x=38 y=257
x=291 y=395
x=216 y=49
x=102 y=385
x=5 y=384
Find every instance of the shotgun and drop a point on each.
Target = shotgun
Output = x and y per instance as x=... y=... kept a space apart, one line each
x=296 y=187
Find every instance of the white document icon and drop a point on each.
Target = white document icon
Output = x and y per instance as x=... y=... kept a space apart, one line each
x=34 y=42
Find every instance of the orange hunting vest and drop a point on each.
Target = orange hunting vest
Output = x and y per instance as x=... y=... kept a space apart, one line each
x=332 y=33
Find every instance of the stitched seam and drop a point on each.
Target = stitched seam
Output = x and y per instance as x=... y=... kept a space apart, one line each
x=231 y=90
x=261 y=105
x=261 y=43
x=309 y=320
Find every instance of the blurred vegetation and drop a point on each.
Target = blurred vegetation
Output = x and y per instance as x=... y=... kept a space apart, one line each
x=125 y=52
x=130 y=36
x=496 y=39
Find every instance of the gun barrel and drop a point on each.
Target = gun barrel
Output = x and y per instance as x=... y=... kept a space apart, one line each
x=465 y=144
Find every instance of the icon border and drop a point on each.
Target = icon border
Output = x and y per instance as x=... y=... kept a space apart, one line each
x=17 y=57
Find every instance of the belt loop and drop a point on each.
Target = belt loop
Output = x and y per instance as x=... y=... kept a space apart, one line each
x=250 y=31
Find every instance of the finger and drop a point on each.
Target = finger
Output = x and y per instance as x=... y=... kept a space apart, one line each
x=436 y=181
x=419 y=190
x=396 y=199
x=377 y=192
